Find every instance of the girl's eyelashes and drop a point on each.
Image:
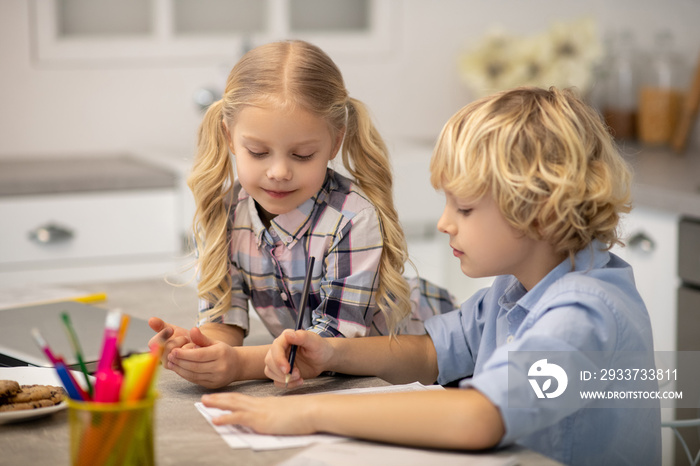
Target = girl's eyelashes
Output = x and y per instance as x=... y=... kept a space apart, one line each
x=256 y=154
x=464 y=211
x=261 y=154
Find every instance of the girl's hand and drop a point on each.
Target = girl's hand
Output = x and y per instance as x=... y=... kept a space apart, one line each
x=206 y=362
x=313 y=354
x=265 y=415
x=170 y=336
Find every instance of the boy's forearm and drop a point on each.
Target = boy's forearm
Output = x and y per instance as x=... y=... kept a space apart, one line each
x=450 y=419
x=406 y=359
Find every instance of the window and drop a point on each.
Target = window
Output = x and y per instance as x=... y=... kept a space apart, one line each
x=152 y=31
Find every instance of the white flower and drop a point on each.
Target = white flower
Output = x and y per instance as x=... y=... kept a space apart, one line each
x=576 y=49
x=563 y=56
x=489 y=66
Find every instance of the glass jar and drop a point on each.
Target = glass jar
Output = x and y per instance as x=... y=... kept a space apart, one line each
x=620 y=86
x=660 y=94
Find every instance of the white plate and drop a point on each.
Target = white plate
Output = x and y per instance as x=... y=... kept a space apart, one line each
x=29 y=376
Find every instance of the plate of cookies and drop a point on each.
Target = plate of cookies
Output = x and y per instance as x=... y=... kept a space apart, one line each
x=30 y=392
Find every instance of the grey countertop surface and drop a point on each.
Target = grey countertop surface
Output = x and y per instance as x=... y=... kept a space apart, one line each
x=36 y=175
x=664 y=180
x=182 y=435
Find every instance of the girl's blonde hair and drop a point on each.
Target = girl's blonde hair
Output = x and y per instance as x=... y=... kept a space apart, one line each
x=291 y=74
x=545 y=157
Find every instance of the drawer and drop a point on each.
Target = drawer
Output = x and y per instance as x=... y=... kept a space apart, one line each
x=101 y=226
x=689 y=250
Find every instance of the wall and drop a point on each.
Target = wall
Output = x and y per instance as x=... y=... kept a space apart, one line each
x=60 y=109
x=93 y=108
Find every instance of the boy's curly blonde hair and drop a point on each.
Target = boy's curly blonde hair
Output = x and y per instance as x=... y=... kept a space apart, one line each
x=545 y=157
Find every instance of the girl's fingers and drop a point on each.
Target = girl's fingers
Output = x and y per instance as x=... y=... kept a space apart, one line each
x=157 y=324
x=279 y=377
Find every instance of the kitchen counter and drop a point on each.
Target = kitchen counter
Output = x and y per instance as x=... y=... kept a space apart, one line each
x=37 y=176
x=664 y=180
x=182 y=435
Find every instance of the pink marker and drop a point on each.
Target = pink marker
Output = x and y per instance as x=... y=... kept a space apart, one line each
x=108 y=381
x=74 y=389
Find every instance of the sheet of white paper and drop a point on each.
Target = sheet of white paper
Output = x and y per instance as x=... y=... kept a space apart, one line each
x=242 y=437
x=409 y=387
x=353 y=454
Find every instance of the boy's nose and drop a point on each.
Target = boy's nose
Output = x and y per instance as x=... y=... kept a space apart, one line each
x=444 y=225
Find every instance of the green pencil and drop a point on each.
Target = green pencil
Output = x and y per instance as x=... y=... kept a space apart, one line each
x=76 y=348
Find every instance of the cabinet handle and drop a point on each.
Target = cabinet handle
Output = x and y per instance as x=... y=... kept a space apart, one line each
x=50 y=234
x=641 y=242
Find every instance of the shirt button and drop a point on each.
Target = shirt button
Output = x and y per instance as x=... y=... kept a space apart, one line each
x=509 y=339
x=289 y=239
x=274 y=233
x=284 y=296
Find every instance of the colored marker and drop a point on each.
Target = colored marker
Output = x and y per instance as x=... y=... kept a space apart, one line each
x=73 y=338
x=74 y=390
x=107 y=380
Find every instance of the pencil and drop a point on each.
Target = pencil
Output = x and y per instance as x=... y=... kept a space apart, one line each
x=300 y=315
x=73 y=338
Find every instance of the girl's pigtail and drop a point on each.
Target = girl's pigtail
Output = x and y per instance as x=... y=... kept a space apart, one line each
x=211 y=182
x=371 y=168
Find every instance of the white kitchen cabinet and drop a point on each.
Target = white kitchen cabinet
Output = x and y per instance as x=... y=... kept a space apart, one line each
x=86 y=220
x=85 y=31
x=651 y=248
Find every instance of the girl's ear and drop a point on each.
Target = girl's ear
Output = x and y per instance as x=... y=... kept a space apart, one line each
x=340 y=137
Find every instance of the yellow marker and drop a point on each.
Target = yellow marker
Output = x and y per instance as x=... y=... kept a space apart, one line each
x=139 y=371
x=91 y=298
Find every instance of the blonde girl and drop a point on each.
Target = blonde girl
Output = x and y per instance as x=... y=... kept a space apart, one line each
x=285 y=114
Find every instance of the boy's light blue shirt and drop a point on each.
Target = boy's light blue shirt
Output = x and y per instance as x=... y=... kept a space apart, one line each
x=594 y=308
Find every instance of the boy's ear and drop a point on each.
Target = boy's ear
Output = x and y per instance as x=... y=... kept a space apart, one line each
x=338 y=143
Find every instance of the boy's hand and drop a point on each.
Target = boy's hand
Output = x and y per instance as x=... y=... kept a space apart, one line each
x=265 y=415
x=312 y=358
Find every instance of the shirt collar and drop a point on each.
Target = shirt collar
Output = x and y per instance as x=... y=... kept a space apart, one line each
x=291 y=226
x=591 y=257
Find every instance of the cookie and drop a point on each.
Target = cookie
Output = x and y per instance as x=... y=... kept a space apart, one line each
x=30 y=393
x=29 y=405
x=8 y=388
x=31 y=397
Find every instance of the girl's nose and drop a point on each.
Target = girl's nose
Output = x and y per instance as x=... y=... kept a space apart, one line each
x=279 y=170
